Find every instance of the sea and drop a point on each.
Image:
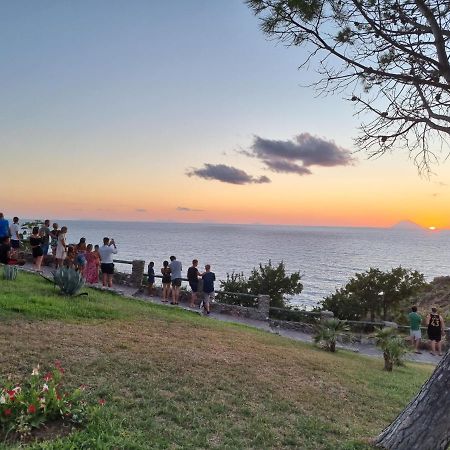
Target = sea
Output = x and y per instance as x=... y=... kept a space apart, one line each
x=325 y=256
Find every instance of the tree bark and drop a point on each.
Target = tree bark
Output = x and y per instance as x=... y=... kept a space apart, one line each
x=425 y=423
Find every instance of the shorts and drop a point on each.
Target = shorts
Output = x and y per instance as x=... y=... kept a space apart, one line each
x=416 y=334
x=434 y=334
x=208 y=297
x=107 y=268
x=194 y=286
x=15 y=243
x=37 y=251
x=176 y=282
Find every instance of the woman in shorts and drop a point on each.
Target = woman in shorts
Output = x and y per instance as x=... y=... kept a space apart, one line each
x=166 y=279
x=36 y=249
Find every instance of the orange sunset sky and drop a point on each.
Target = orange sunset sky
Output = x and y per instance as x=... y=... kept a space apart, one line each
x=107 y=116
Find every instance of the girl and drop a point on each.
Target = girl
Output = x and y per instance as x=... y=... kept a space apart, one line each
x=166 y=279
x=92 y=265
x=61 y=247
x=36 y=248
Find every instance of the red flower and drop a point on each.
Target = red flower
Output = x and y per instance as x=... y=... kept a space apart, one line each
x=48 y=376
x=57 y=363
x=101 y=401
x=58 y=397
x=31 y=409
x=11 y=394
x=7 y=412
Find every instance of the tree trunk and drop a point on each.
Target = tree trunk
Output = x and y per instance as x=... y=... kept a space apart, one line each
x=333 y=346
x=388 y=363
x=425 y=423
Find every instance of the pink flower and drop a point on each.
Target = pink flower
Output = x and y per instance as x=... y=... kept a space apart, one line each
x=101 y=401
x=31 y=409
x=7 y=412
x=11 y=394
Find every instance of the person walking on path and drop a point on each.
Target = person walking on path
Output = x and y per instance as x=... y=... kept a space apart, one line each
x=44 y=232
x=414 y=329
x=193 y=276
x=4 y=226
x=435 y=324
x=151 y=277
x=208 y=278
x=14 y=229
x=175 y=269
x=106 y=254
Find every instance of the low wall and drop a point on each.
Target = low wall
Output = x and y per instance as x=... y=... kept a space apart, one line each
x=261 y=312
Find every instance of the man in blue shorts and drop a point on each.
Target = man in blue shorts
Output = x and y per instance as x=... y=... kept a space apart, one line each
x=208 y=278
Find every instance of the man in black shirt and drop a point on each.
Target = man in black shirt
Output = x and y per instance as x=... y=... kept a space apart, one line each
x=193 y=276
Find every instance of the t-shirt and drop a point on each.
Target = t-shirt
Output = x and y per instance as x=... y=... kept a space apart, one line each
x=208 y=282
x=4 y=251
x=45 y=233
x=106 y=253
x=175 y=267
x=414 y=321
x=192 y=274
x=14 y=229
x=4 y=228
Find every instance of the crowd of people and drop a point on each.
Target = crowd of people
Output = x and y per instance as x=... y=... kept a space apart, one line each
x=93 y=261
x=435 y=330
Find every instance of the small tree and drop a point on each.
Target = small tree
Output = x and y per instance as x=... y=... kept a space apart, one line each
x=328 y=332
x=235 y=284
x=393 y=346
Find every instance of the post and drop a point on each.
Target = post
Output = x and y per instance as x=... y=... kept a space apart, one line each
x=137 y=272
x=263 y=306
x=326 y=315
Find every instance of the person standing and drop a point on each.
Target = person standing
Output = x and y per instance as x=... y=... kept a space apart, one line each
x=208 y=278
x=44 y=232
x=61 y=248
x=435 y=324
x=414 y=329
x=54 y=239
x=193 y=276
x=36 y=249
x=92 y=265
x=166 y=279
x=106 y=251
x=14 y=229
x=4 y=226
x=151 y=277
x=175 y=268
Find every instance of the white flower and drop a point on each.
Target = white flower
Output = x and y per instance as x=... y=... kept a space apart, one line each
x=35 y=370
x=17 y=389
x=2 y=399
x=45 y=388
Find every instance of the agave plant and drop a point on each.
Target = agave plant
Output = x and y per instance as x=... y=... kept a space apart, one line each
x=9 y=272
x=392 y=345
x=328 y=332
x=69 y=280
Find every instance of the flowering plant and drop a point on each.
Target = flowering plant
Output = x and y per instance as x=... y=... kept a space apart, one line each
x=40 y=399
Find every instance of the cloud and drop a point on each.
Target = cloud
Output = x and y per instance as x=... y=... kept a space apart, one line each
x=185 y=209
x=141 y=210
x=226 y=174
x=298 y=154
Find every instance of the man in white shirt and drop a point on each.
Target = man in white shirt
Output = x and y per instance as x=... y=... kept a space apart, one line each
x=175 y=272
x=14 y=229
x=106 y=255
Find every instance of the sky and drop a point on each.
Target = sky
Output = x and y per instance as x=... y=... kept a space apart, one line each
x=184 y=111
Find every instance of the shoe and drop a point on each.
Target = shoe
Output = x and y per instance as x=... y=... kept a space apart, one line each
x=418 y=353
x=431 y=353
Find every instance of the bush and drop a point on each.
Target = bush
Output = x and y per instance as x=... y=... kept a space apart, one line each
x=238 y=284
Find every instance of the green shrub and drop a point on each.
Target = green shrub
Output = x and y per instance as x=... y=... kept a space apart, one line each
x=10 y=272
x=328 y=332
x=69 y=280
x=392 y=345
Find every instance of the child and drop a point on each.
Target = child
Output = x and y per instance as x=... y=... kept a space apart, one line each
x=151 y=277
x=208 y=278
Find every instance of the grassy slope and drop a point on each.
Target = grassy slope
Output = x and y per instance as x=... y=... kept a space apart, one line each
x=173 y=379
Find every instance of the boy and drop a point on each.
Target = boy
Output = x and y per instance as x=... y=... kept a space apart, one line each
x=208 y=278
x=151 y=277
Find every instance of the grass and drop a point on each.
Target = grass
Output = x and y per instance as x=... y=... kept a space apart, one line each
x=175 y=380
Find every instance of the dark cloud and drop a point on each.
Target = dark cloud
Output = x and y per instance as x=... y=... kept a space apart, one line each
x=141 y=210
x=184 y=209
x=226 y=174
x=296 y=155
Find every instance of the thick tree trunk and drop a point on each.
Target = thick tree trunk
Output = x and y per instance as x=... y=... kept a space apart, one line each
x=425 y=423
x=388 y=364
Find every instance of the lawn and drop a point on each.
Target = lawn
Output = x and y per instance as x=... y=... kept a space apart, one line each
x=173 y=379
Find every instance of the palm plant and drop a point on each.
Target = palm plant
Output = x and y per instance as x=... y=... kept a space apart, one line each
x=329 y=331
x=9 y=272
x=392 y=345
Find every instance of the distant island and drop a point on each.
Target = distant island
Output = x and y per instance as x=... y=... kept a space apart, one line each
x=407 y=225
